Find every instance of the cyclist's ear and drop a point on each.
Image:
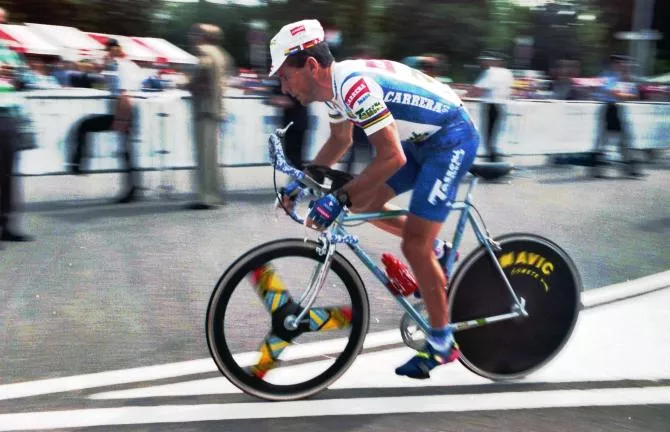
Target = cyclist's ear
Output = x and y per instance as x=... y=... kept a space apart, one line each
x=313 y=66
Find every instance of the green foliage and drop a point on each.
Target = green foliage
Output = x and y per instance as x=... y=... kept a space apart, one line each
x=125 y=17
x=458 y=29
x=592 y=47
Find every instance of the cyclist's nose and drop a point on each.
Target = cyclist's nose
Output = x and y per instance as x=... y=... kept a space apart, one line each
x=284 y=87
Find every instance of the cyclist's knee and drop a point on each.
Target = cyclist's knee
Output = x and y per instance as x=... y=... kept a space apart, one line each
x=420 y=248
x=419 y=237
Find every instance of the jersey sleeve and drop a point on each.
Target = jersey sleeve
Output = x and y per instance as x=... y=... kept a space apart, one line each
x=334 y=116
x=364 y=99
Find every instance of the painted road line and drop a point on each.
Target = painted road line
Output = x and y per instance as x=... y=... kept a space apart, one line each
x=173 y=370
x=336 y=407
x=194 y=367
x=101 y=379
x=626 y=290
x=591 y=355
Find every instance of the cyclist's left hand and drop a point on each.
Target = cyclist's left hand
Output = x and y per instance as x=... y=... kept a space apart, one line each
x=323 y=212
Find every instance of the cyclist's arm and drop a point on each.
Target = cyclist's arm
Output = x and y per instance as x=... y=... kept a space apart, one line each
x=336 y=145
x=389 y=159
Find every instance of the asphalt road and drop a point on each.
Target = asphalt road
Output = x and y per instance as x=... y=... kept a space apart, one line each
x=108 y=286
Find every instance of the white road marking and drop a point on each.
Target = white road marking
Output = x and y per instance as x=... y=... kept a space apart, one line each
x=173 y=370
x=625 y=290
x=605 y=346
x=317 y=408
x=193 y=367
x=124 y=376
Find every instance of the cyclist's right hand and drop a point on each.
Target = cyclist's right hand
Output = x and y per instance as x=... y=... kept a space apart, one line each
x=288 y=195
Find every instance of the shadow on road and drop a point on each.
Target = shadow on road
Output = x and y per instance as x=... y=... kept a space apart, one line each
x=174 y=203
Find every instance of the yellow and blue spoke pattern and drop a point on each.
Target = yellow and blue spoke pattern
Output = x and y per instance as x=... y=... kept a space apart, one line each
x=271 y=349
x=332 y=318
x=269 y=287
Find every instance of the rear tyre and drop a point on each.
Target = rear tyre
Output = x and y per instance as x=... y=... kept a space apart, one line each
x=543 y=275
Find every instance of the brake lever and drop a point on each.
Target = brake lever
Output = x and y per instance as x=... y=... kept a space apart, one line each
x=281 y=133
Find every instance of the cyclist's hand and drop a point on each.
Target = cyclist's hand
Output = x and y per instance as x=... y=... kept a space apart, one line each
x=289 y=194
x=323 y=212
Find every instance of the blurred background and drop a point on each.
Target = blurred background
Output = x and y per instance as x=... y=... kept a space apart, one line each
x=539 y=38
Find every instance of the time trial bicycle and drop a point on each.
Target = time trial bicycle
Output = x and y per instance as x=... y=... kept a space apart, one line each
x=513 y=301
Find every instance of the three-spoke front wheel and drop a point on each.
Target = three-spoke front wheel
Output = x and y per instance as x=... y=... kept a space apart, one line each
x=250 y=317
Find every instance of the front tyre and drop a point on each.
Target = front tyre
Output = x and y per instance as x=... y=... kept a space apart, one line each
x=246 y=326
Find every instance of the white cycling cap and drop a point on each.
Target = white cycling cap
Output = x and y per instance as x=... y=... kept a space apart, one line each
x=293 y=38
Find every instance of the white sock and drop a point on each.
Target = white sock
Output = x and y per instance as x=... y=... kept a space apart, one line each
x=438 y=248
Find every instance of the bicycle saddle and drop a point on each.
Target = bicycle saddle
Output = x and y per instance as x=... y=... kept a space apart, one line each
x=320 y=173
x=490 y=170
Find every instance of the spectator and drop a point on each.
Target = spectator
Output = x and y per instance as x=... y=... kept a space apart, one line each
x=123 y=76
x=206 y=86
x=563 y=87
x=494 y=87
x=9 y=136
x=62 y=71
x=38 y=79
x=617 y=86
x=86 y=75
x=293 y=111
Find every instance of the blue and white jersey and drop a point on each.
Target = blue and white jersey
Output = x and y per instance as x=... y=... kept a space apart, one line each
x=375 y=93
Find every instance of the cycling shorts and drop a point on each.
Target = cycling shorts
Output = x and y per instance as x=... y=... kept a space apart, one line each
x=435 y=167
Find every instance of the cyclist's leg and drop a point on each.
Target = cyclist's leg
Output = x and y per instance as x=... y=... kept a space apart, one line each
x=417 y=246
x=377 y=199
x=444 y=161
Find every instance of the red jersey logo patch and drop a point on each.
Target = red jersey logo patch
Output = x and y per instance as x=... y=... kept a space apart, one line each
x=355 y=92
x=295 y=30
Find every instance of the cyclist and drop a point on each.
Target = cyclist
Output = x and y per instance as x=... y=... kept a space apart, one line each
x=424 y=141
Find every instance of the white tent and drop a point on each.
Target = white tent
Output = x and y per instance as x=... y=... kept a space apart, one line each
x=75 y=43
x=168 y=52
x=134 y=50
x=22 y=39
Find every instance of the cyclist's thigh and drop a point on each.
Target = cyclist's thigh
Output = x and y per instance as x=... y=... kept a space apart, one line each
x=374 y=199
x=441 y=172
x=405 y=178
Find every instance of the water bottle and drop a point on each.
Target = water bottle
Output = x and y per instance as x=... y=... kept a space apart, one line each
x=401 y=280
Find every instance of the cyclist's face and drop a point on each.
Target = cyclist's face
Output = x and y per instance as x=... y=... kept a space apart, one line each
x=297 y=82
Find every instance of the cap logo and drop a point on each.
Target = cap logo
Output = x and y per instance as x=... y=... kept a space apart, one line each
x=301 y=47
x=355 y=93
x=295 y=30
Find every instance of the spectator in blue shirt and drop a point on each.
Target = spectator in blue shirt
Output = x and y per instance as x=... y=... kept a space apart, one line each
x=617 y=86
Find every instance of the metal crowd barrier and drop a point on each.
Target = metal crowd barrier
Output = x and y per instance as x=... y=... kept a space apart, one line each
x=164 y=138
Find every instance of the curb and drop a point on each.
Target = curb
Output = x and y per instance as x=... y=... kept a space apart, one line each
x=625 y=290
